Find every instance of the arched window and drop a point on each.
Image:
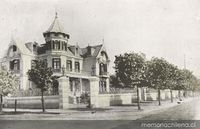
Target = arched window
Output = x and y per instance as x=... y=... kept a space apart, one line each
x=102 y=69
x=69 y=65
x=77 y=66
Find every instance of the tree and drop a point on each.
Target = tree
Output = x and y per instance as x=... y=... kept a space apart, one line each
x=130 y=68
x=157 y=74
x=115 y=81
x=41 y=75
x=191 y=82
x=171 y=73
x=9 y=84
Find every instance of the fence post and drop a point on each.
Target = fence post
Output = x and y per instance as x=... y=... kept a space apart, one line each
x=15 y=105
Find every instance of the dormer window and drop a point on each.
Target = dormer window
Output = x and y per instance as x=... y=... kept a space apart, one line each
x=76 y=51
x=14 y=48
x=15 y=64
x=34 y=48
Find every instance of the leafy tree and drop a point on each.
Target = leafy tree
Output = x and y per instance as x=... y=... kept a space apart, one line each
x=157 y=74
x=9 y=84
x=115 y=81
x=191 y=82
x=130 y=68
x=171 y=82
x=41 y=75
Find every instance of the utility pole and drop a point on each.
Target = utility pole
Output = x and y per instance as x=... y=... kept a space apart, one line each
x=184 y=61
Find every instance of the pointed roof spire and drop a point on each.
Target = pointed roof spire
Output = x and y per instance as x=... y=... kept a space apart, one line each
x=55 y=26
x=12 y=40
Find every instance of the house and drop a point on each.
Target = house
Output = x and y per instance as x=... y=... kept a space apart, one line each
x=79 y=64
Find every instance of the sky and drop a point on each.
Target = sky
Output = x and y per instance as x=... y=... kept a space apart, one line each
x=159 y=28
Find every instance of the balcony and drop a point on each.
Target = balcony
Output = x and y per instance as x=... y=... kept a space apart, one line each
x=56 y=70
x=103 y=73
x=72 y=72
x=15 y=71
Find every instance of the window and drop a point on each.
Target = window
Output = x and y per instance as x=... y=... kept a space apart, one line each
x=69 y=65
x=15 y=65
x=77 y=66
x=14 y=48
x=53 y=45
x=63 y=43
x=76 y=50
x=65 y=47
x=93 y=70
x=34 y=48
x=102 y=68
x=56 y=45
x=45 y=61
x=102 y=85
x=49 y=45
x=56 y=63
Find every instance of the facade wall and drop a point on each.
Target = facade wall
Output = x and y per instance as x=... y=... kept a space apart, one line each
x=25 y=65
x=88 y=63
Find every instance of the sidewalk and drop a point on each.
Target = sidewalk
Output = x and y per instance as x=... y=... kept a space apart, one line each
x=111 y=113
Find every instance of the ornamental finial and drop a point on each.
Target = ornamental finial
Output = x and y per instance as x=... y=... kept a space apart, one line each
x=56 y=15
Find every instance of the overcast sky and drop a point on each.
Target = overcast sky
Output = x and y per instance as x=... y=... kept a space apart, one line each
x=161 y=28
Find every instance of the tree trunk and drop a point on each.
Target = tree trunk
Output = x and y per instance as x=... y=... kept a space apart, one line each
x=43 y=108
x=171 y=95
x=1 y=102
x=138 y=99
x=193 y=93
x=159 y=98
x=179 y=94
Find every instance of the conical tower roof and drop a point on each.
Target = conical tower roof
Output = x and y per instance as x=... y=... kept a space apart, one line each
x=56 y=27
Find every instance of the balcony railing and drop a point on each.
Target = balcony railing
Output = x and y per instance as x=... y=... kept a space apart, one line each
x=15 y=71
x=71 y=71
x=103 y=73
x=57 y=70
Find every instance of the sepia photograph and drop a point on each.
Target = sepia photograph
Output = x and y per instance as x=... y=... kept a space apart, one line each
x=99 y=64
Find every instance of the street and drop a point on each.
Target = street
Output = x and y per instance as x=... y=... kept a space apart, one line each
x=186 y=111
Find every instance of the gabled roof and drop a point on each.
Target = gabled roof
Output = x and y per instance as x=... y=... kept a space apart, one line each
x=21 y=46
x=73 y=50
x=91 y=50
x=55 y=26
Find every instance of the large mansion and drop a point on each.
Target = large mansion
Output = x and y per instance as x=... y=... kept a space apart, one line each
x=79 y=64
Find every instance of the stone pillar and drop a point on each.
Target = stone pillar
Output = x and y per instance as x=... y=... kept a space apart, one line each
x=144 y=95
x=140 y=93
x=74 y=91
x=64 y=90
x=107 y=85
x=81 y=86
x=94 y=91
